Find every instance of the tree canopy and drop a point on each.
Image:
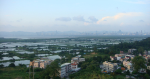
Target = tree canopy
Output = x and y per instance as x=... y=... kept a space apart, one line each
x=138 y=62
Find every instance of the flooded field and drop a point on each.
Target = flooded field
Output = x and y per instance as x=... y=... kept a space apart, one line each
x=21 y=52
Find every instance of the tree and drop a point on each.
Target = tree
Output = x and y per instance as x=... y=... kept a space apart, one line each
x=11 y=65
x=51 y=71
x=128 y=72
x=141 y=50
x=1 y=66
x=146 y=76
x=118 y=71
x=138 y=62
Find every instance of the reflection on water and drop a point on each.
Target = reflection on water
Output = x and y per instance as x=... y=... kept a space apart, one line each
x=9 y=58
x=54 y=57
x=23 y=52
x=26 y=62
x=43 y=54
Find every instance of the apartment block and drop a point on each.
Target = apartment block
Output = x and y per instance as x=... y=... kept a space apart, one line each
x=65 y=70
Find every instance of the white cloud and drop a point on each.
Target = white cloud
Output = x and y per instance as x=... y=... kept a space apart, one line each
x=78 y=18
x=119 y=16
x=85 y=23
x=63 y=19
x=122 y=24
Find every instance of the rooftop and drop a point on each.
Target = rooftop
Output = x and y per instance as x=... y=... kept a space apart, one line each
x=65 y=64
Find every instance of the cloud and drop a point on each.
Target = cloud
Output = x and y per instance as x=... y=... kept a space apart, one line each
x=122 y=24
x=141 y=21
x=86 y=23
x=63 y=19
x=78 y=18
x=19 y=20
x=119 y=15
x=93 y=19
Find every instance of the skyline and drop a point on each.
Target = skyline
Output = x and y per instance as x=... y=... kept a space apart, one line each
x=81 y=16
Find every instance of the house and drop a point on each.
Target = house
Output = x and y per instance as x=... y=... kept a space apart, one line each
x=128 y=65
x=65 y=70
x=148 y=52
x=77 y=52
x=74 y=67
x=121 y=52
x=40 y=63
x=119 y=55
x=112 y=58
x=77 y=59
x=145 y=52
x=148 y=67
x=131 y=50
x=109 y=67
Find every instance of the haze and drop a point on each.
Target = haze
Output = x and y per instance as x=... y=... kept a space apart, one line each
x=74 y=15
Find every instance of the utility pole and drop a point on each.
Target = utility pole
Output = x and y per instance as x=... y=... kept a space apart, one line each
x=29 y=71
x=33 y=70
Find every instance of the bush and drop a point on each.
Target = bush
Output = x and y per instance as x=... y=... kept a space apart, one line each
x=118 y=71
x=12 y=65
x=1 y=66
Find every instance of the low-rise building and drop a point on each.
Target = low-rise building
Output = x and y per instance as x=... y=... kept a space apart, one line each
x=148 y=67
x=109 y=67
x=119 y=55
x=128 y=65
x=41 y=63
x=131 y=50
x=75 y=61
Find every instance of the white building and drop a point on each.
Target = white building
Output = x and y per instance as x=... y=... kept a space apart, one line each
x=131 y=50
x=65 y=69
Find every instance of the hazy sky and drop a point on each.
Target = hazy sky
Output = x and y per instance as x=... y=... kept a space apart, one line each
x=75 y=15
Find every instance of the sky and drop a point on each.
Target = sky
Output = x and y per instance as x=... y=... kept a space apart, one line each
x=74 y=15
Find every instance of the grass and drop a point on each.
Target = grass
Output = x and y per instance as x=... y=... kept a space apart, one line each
x=120 y=77
x=13 y=73
x=93 y=55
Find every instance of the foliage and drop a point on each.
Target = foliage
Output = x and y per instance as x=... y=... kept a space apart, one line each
x=51 y=71
x=128 y=72
x=138 y=62
x=11 y=65
x=118 y=71
x=146 y=76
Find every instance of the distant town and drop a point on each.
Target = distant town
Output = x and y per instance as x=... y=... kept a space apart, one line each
x=69 y=33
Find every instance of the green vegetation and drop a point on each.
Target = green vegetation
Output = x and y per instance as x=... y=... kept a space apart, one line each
x=89 y=68
x=138 y=63
x=51 y=71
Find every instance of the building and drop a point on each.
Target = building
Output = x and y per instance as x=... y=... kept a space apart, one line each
x=77 y=59
x=65 y=70
x=128 y=65
x=74 y=67
x=74 y=63
x=40 y=63
x=119 y=55
x=148 y=67
x=121 y=52
x=109 y=67
x=131 y=50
